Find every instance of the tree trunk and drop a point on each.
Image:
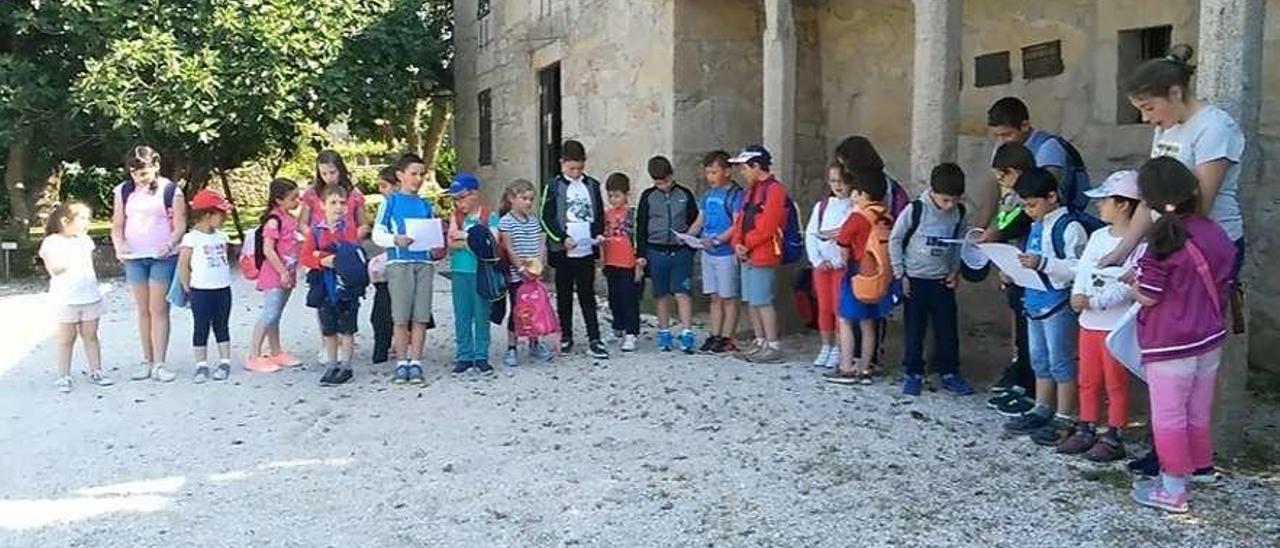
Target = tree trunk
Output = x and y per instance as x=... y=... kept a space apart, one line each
x=413 y=130
x=15 y=174
x=437 y=125
x=235 y=211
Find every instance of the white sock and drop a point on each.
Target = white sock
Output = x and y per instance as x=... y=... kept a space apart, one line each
x=1174 y=485
x=402 y=363
x=199 y=364
x=775 y=345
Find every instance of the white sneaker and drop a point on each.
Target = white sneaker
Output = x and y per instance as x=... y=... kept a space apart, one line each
x=833 y=361
x=160 y=373
x=824 y=356
x=142 y=373
x=100 y=379
x=629 y=343
x=63 y=384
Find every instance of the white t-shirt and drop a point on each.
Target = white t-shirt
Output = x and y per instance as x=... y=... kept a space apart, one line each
x=818 y=249
x=1109 y=298
x=210 y=268
x=78 y=284
x=1210 y=134
x=579 y=208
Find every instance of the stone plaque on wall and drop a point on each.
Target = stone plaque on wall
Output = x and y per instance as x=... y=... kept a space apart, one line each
x=1042 y=60
x=992 y=69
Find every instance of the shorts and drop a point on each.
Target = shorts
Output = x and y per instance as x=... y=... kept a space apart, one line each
x=1053 y=341
x=671 y=271
x=854 y=310
x=411 y=291
x=720 y=275
x=339 y=318
x=76 y=313
x=154 y=271
x=757 y=284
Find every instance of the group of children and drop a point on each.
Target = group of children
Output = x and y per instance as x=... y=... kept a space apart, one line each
x=869 y=248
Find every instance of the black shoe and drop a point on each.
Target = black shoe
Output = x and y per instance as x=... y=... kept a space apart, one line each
x=1054 y=433
x=566 y=346
x=1002 y=398
x=1026 y=424
x=1146 y=466
x=1017 y=407
x=485 y=369
x=710 y=345
x=598 y=351
x=329 y=375
x=461 y=367
x=1008 y=379
x=341 y=377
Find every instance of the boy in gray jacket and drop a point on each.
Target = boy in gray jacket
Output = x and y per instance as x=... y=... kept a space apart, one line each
x=926 y=258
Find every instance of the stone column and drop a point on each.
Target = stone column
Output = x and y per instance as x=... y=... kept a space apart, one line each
x=780 y=87
x=935 y=88
x=1229 y=75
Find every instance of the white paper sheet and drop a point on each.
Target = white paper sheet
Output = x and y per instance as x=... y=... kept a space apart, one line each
x=1005 y=257
x=688 y=240
x=427 y=234
x=581 y=234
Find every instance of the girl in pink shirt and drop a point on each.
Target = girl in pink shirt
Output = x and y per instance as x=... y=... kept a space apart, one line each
x=147 y=222
x=331 y=170
x=277 y=256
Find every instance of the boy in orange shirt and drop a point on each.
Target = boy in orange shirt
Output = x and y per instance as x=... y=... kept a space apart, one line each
x=757 y=241
x=625 y=279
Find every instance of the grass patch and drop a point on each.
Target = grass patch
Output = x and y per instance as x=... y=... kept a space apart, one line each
x=1108 y=476
x=1258 y=456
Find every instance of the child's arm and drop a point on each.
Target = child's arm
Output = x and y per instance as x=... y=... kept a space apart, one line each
x=117 y=226
x=381 y=234
x=1153 y=275
x=310 y=257
x=769 y=222
x=898 y=242
x=184 y=266
x=53 y=264
x=640 y=241
x=1062 y=271
x=548 y=215
x=695 y=228
x=693 y=214
x=812 y=239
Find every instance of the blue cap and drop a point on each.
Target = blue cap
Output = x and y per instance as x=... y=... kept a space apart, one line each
x=753 y=153
x=463 y=183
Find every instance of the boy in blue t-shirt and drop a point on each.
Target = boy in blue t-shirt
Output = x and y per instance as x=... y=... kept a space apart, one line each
x=410 y=272
x=720 y=269
x=470 y=309
x=1053 y=251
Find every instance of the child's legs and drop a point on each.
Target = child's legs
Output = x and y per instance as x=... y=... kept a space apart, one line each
x=728 y=287
x=202 y=312
x=660 y=265
x=1116 y=379
x=159 y=312
x=682 y=285
x=915 y=322
x=845 y=330
x=1038 y=349
x=480 y=327
x=380 y=319
x=717 y=315
x=868 y=328
x=711 y=288
x=424 y=276
x=1092 y=351
x=268 y=318
x=88 y=330
x=662 y=306
x=142 y=303
x=66 y=340
x=221 y=322
x=400 y=288
x=684 y=306
x=1200 y=409
x=585 y=282
x=273 y=332
x=330 y=349
x=1171 y=384
x=346 y=347
x=1062 y=335
x=464 y=300
x=828 y=296
x=613 y=284
x=946 y=330
x=631 y=305
x=564 y=297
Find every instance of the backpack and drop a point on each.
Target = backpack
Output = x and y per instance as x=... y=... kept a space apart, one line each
x=897 y=197
x=170 y=190
x=350 y=272
x=534 y=316
x=252 y=254
x=491 y=270
x=1075 y=177
x=875 y=273
x=792 y=237
x=917 y=212
x=1058 y=233
x=806 y=299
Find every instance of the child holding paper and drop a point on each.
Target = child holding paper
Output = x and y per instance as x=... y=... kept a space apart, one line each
x=665 y=211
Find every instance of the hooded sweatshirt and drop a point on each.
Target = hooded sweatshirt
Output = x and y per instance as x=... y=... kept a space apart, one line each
x=926 y=256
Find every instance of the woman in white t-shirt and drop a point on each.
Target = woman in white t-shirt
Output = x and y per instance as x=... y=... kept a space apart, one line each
x=205 y=273
x=1200 y=135
x=67 y=252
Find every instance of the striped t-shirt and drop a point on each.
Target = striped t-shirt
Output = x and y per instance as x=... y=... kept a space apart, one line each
x=525 y=236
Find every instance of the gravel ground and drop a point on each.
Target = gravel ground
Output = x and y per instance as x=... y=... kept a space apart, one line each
x=646 y=450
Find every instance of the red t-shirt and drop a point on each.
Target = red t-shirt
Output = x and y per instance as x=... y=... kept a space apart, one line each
x=853 y=235
x=619 y=228
x=314 y=243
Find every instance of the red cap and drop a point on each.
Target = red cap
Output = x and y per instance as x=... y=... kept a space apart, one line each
x=210 y=199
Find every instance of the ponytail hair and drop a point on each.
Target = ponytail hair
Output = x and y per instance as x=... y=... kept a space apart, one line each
x=278 y=190
x=1173 y=191
x=62 y=213
x=1156 y=78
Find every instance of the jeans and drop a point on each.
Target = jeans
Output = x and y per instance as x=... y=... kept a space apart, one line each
x=624 y=298
x=1181 y=411
x=211 y=309
x=154 y=271
x=273 y=303
x=1052 y=342
x=380 y=319
x=576 y=275
x=470 y=319
x=931 y=300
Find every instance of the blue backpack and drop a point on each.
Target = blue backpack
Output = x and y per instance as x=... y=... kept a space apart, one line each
x=350 y=272
x=491 y=269
x=1075 y=176
x=1059 y=230
x=792 y=235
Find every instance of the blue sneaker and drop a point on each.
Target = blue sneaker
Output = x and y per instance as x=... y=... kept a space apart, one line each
x=402 y=374
x=956 y=384
x=415 y=374
x=913 y=385
x=540 y=351
x=687 y=341
x=665 y=340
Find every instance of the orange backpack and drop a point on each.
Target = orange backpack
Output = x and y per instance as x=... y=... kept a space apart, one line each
x=875 y=272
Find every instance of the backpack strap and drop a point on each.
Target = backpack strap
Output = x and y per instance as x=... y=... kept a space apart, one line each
x=1202 y=267
x=1058 y=234
x=822 y=210
x=960 y=221
x=917 y=212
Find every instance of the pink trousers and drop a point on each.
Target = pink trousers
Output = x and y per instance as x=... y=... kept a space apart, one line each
x=1181 y=411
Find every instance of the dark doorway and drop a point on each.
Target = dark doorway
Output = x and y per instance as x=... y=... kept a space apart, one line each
x=549 y=122
x=1134 y=47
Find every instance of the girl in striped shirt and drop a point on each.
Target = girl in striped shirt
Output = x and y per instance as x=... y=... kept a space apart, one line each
x=525 y=245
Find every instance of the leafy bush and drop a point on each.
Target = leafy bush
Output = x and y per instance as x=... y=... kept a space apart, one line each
x=91 y=185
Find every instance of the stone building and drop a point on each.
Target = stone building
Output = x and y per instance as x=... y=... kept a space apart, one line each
x=633 y=78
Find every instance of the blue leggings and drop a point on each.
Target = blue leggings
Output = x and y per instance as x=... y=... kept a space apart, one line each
x=212 y=310
x=273 y=303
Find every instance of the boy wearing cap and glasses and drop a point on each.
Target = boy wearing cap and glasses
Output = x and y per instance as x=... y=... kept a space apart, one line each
x=470 y=310
x=757 y=241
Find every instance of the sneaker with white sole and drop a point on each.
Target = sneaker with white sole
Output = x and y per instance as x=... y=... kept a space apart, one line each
x=98 y=378
x=833 y=361
x=628 y=343
x=142 y=373
x=1153 y=495
x=63 y=384
x=511 y=358
x=160 y=373
x=823 y=357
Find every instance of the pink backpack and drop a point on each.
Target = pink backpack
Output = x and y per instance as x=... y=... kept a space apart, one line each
x=534 y=315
